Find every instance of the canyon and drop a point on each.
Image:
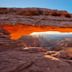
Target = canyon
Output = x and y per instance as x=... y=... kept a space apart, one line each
x=22 y=52
x=23 y=21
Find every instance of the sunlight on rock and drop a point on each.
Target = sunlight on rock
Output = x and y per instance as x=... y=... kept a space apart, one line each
x=50 y=57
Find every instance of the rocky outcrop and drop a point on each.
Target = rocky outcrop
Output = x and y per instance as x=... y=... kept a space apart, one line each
x=25 y=61
x=29 y=54
x=29 y=41
x=54 y=44
x=34 y=11
x=35 y=16
x=14 y=57
x=23 y=21
x=6 y=43
x=19 y=30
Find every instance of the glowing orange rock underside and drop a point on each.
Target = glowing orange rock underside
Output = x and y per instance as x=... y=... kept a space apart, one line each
x=16 y=31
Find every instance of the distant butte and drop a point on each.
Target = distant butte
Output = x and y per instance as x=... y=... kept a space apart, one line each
x=23 y=21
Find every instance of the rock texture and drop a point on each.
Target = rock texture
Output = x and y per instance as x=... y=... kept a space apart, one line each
x=23 y=21
x=6 y=43
x=55 y=43
x=25 y=61
x=15 y=56
x=35 y=16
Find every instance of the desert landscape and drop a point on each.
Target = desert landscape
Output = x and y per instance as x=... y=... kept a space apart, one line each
x=35 y=40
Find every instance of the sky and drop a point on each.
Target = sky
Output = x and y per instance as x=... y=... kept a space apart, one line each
x=51 y=4
x=51 y=32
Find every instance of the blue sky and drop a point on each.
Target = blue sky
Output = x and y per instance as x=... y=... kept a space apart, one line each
x=51 y=4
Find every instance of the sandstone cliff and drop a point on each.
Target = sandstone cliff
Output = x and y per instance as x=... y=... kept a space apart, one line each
x=20 y=55
x=35 y=16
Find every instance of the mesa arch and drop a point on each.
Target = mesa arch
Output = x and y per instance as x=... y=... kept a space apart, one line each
x=23 y=21
x=19 y=30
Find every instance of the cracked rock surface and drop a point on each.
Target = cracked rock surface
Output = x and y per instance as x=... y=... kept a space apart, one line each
x=23 y=61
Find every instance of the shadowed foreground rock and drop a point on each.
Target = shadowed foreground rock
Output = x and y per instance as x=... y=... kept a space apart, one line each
x=25 y=61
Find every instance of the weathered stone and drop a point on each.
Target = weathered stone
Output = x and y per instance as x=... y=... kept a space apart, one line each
x=35 y=16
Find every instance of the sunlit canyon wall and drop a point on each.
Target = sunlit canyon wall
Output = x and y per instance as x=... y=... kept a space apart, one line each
x=23 y=21
x=16 y=31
